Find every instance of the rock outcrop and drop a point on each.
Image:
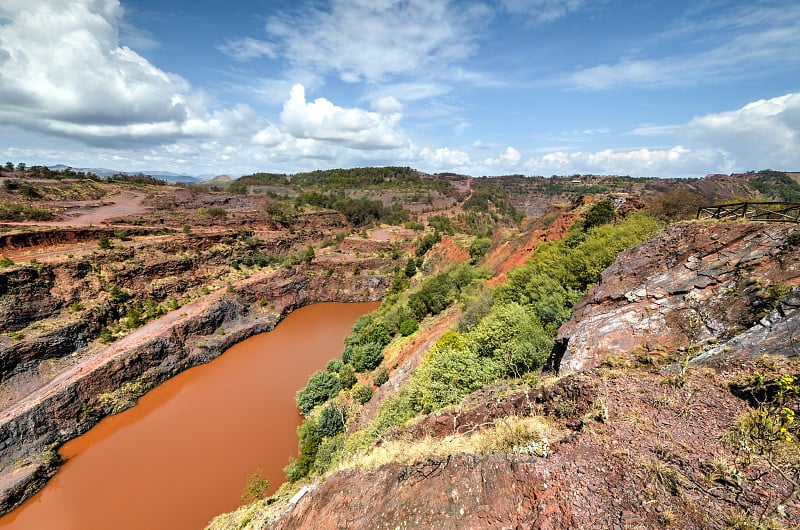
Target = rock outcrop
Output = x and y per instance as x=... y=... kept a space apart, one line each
x=695 y=283
x=70 y=404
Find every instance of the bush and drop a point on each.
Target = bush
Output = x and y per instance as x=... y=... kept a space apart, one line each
x=478 y=249
x=408 y=327
x=331 y=419
x=394 y=411
x=255 y=487
x=367 y=357
x=381 y=377
x=321 y=387
x=447 y=376
x=309 y=439
x=329 y=453
x=362 y=394
x=513 y=337
x=104 y=243
x=600 y=213
x=334 y=365
x=347 y=376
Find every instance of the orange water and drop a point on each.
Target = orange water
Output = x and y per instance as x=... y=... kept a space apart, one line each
x=183 y=454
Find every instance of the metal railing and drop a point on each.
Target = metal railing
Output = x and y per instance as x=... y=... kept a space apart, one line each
x=775 y=212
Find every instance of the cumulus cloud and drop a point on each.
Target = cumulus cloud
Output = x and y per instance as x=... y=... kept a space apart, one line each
x=677 y=160
x=322 y=120
x=64 y=73
x=372 y=40
x=387 y=105
x=509 y=158
x=765 y=133
x=444 y=157
x=762 y=134
x=247 y=48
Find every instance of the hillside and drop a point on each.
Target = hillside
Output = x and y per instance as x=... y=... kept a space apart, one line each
x=109 y=286
x=635 y=438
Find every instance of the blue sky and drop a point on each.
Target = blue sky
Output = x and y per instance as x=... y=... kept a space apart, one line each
x=538 y=87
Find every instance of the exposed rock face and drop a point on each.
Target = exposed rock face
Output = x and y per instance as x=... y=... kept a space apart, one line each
x=776 y=334
x=693 y=283
x=69 y=405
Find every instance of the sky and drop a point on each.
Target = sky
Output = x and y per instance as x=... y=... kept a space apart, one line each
x=484 y=87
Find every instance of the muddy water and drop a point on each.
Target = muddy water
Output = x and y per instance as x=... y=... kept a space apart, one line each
x=183 y=454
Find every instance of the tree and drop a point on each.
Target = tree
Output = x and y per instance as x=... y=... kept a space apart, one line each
x=599 y=214
x=675 y=204
x=478 y=249
x=347 y=376
x=321 y=387
x=9 y=166
x=411 y=268
x=408 y=326
x=362 y=394
x=104 y=243
x=367 y=356
x=447 y=376
x=255 y=487
x=332 y=419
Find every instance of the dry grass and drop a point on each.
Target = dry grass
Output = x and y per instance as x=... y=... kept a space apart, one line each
x=513 y=434
x=663 y=476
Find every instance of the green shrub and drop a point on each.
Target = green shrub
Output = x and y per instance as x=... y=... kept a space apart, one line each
x=381 y=377
x=309 y=439
x=367 y=357
x=5 y=261
x=104 y=243
x=394 y=411
x=347 y=376
x=448 y=375
x=331 y=419
x=256 y=487
x=600 y=213
x=329 y=453
x=362 y=394
x=408 y=327
x=334 y=365
x=478 y=249
x=321 y=387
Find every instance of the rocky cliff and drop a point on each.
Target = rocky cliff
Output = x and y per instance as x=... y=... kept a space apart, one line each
x=695 y=283
x=110 y=378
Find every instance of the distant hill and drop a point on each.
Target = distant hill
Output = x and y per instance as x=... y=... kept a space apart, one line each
x=105 y=172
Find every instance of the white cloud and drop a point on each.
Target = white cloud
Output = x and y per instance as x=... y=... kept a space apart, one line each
x=322 y=120
x=444 y=157
x=675 y=161
x=247 y=48
x=509 y=158
x=64 y=73
x=387 y=105
x=411 y=91
x=744 y=54
x=762 y=134
x=373 y=40
x=543 y=11
x=765 y=133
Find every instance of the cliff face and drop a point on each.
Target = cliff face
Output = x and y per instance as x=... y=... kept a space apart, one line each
x=70 y=404
x=693 y=283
